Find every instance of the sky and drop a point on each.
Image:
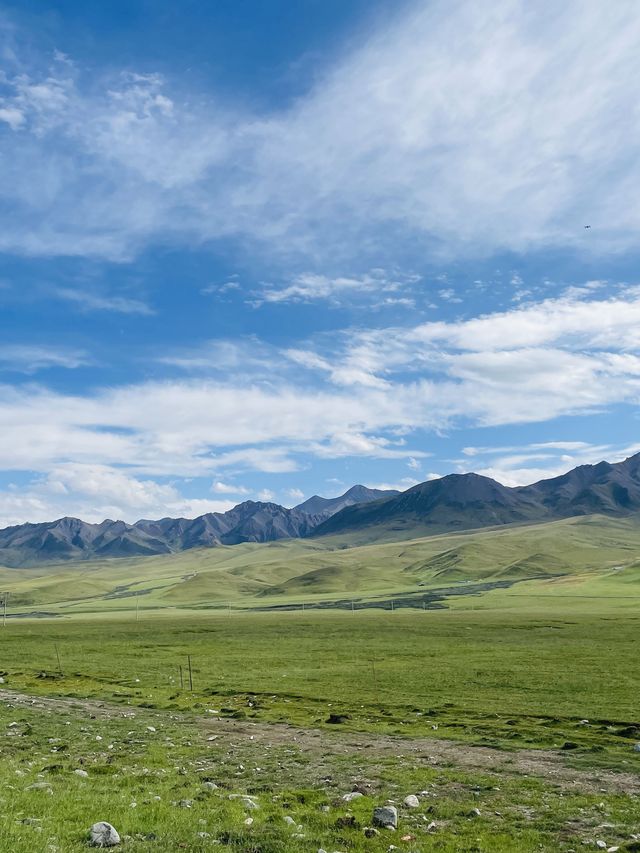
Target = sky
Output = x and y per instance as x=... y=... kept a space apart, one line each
x=259 y=250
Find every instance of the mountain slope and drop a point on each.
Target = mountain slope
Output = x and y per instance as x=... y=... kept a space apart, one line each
x=458 y=501
x=470 y=501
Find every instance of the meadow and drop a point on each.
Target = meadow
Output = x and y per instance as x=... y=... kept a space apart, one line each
x=510 y=711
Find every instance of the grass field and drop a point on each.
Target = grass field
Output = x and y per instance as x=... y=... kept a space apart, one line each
x=326 y=570
x=511 y=712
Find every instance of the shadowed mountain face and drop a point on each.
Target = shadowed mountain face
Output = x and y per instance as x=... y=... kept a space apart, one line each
x=70 y=538
x=251 y=521
x=468 y=501
x=456 y=502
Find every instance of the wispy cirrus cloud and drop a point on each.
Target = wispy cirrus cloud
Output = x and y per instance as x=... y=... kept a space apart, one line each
x=469 y=129
x=89 y=301
x=312 y=287
x=30 y=358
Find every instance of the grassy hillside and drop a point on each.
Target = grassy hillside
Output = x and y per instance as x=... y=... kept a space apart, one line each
x=312 y=571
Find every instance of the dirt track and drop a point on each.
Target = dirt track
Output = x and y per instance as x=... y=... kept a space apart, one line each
x=315 y=743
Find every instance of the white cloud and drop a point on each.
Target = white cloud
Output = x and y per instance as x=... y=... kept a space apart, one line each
x=228 y=488
x=310 y=287
x=434 y=376
x=88 y=301
x=520 y=466
x=94 y=492
x=12 y=116
x=29 y=358
x=471 y=127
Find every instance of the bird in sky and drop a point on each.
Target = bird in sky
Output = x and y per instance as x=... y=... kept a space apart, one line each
x=587 y=226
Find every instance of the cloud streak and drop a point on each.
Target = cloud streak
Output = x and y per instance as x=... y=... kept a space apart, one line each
x=465 y=128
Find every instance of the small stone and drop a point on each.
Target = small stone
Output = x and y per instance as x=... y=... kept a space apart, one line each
x=475 y=813
x=248 y=821
x=210 y=786
x=289 y=820
x=185 y=804
x=601 y=845
x=151 y=728
x=636 y=747
x=370 y=832
x=412 y=802
x=40 y=786
x=353 y=795
x=82 y=773
x=386 y=816
x=104 y=835
x=249 y=803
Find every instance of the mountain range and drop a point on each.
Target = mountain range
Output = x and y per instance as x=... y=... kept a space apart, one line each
x=251 y=521
x=454 y=502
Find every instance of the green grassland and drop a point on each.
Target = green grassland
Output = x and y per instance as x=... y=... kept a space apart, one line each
x=520 y=700
x=325 y=570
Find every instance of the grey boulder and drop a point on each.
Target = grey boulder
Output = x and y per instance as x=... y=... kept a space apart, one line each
x=102 y=834
x=386 y=816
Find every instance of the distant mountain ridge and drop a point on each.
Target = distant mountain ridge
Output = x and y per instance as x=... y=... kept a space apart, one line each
x=469 y=501
x=251 y=521
x=455 y=502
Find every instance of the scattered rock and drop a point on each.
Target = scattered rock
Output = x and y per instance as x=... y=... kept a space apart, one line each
x=102 y=834
x=370 y=832
x=386 y=816
x=82 y=773
x=336 y=719
x=289 y=820
x=40 y=786
x=354 y=795
x=475 y=813
x=346 y=822
x=412 y=802
x=570 y=744
x=636 y=747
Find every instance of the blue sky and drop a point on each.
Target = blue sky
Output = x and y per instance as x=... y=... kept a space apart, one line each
x=261 y=250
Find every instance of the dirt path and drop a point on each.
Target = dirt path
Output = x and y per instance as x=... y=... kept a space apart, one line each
x=315 y=743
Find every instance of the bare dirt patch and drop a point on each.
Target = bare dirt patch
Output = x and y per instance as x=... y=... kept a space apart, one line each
x=315 y=744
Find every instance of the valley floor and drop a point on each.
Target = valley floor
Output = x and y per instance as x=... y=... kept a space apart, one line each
x=512 y=716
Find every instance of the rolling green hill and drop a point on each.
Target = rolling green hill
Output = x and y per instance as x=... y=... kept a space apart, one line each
x=290 y=572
